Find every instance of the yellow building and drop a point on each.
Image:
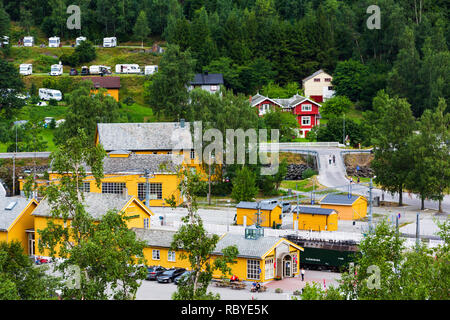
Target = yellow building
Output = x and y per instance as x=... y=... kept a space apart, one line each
x=315 y=219
x=111 y=84
x=270 y=213
x=260 y=258
x=16 y=222
x=97 y=205
x=352 y=208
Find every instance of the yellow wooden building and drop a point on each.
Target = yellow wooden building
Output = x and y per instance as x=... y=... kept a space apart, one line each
x=260 y=258
x=16 y=222
x=97 y=205
x=111 y=84
x=348 y=208
x=315 y=219
x=270 y=213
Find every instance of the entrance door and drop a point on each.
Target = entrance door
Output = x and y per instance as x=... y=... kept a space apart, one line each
x=31 y=243
x=287 y=266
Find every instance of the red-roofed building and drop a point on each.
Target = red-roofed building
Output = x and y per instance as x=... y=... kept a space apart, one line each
x=111 y=84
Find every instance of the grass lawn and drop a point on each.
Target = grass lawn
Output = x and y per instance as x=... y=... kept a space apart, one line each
x=138 y=113
x=305 y=185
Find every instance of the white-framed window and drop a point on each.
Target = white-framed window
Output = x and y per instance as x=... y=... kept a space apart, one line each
x=113 y=187
x=264 y=108
x=317 y=80
x=155 y=188
x=85 y=187
x=327 y=79
x=171 y=256
x=306 y=121
x=213 y=88
x=269 y=269
x=155 y=255
x=192 y=154
x=307 y=107
x=294 y=262
x=253 y=267
x=146 y=223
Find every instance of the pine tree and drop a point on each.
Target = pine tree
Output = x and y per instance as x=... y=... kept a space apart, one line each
x=141 y=29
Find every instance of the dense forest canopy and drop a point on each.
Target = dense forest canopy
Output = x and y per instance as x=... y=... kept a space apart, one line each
x=255 y=42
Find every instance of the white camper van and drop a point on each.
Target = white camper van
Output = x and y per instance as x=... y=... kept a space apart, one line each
x=99 y=70
x=54 y=42
x=110 y=42
x=128 y=68
x=4 y=40
x=26 y=69
x=79 y=40
x=148 y=70
x=28 y=41
x=56 y=69
x=49 y=94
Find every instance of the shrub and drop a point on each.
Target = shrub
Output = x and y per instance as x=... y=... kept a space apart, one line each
x=85 y=52
x=53 y=102
x=278 y=290
x=308 y=173
x=297 y=292
x=128 y=101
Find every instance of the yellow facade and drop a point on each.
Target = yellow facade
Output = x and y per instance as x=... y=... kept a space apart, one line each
x=135 y=210
x=267 y=217
x=111 y=92
x=16 y=230
x=239 y=268
x=358 y=210
x=316 y=222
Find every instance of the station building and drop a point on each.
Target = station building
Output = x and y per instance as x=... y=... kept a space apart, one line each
x=348 y=208
x=315 y=219
x=270 y=213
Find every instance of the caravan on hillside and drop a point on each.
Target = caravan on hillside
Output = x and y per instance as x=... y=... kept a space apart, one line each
x=128 y=68
x=79 y=40
x=49 y=94
x=101 y=70
x=56 y=69
x=148 y=70
x=26 y=69
x=28 y=41
x=54 y=42
x=110 y=42
x=4 y=40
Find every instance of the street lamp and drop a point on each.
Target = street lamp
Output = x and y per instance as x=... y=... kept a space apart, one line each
x=211 y=159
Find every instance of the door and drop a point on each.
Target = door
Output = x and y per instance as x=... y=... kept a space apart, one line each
x=31 y=244
x=287 y=269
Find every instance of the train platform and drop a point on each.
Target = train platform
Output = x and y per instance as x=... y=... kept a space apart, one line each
x=289 y=285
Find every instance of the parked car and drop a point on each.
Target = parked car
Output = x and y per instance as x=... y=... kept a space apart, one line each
x=286 y=206
x=170 y=275
x=183 y=276
x=73 y=72
x=154 y=271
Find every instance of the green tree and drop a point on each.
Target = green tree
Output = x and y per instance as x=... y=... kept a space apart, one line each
x=167 y=91
x=333 y=131
x=244 y=188
x=348 y=78
x=391 y=126
x=335 y=107
x=10 y=85
x=141 y=29
x=4 y=21
x=85 y=52
x=26 y=19
x=285 y=122
x=19 y=279
x=198 y=246
x=106 y=252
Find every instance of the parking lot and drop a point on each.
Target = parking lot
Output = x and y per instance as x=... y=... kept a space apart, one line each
x=152 y=290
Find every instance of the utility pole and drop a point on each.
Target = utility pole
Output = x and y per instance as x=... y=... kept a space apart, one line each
x=14 y=168
x=147 y=188
x=343 y=131
x=417 y=230
x=370 y=205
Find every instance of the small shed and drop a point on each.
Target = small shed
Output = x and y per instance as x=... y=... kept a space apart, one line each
x=111 y=84
x=348 y=208
x=270 y=213
x=316 y=219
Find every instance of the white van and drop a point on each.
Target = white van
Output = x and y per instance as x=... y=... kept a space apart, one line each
x=28 y=41
x=79 y=40
x=49 y=94
x=4 y=40
x=26 y=69
x=110 y=42
x=128 y=68
x=148 y=70
x=54 y=42
x=56 y=69
x=99 y=70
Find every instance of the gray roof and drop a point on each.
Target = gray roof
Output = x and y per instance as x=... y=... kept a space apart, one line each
x=247 y=248
x=155 y=237
x=284 y=103
x=253 y=205
x=313 y=210
x=144 y=136
x=7 y=217
x=339 y=199
x=96 y=204
x=313 y=75
x=140 y=162
x=207 y=78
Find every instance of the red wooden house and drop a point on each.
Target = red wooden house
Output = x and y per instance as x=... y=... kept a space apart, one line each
x=305 y=110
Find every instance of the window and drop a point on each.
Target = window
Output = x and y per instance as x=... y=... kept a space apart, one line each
x=316 y=80
x=307 y=107
x=146 y=223
x=171 y=256
x=213 y=88
x=269 y=269
x=253 y=269
x=113 y=187
x=327 y=79
x=169 y=152
x=155 y=255
x=330 y=88
x=85 y=187
x=306 y=121
x=155 y=189
x=192 y=154
x=265 y=108
x=294 y=263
